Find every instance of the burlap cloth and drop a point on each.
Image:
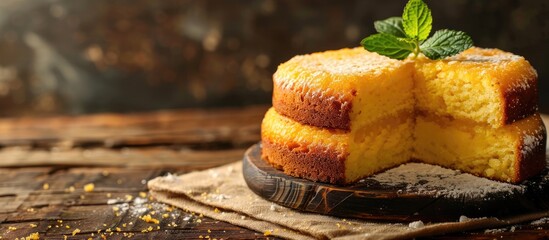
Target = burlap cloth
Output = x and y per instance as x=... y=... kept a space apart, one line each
x=222 y=194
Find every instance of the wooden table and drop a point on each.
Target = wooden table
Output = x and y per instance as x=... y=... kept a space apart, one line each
x=47 y=166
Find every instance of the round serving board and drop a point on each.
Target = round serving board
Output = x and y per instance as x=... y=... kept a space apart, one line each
x=421 y=192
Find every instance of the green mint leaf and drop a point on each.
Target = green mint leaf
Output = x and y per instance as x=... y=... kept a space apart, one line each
x=392 y=25
x=388 y=45
x=445 y=43
x=417 y=20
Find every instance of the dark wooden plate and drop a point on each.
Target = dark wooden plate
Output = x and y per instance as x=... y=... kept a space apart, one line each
x=369 y=199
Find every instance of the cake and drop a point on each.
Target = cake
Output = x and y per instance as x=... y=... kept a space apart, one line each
x=339 y=116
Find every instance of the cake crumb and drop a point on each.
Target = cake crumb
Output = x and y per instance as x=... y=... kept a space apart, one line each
x=463 y=218
x=149 y=219
x=267 y=233
x=76 y=231
x=70 y=189
x=32 y=236
x=128 y=197
x=416 y=224
x=89 y=187
x=46 y=186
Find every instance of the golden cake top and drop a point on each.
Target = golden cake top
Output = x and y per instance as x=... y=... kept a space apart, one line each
x=507 y=69
x=334 y=72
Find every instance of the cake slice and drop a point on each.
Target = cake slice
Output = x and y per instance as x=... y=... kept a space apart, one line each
x=487 y=86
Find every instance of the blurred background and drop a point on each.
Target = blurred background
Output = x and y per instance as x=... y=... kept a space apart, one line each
x=77 y=57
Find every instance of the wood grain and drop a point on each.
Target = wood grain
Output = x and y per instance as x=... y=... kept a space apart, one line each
x=231 y=127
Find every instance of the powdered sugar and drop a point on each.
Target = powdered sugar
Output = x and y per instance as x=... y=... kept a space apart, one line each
x=530 y=142
x=442 y=182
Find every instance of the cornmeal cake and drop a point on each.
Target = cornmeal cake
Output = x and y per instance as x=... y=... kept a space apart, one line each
x=339 y=116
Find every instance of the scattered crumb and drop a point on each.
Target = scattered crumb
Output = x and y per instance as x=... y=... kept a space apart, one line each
x=89 y=187
x=216 y=210
x=12 y=228
x=149 y=219
x=267 y=233
x=128 y=197
x=76 y=231
x=70 y=189
x=46 y=186
x=32 y=236
x=273 y=208
x=32 y=225
x=416 y=224
x=464 y=219
x=143 y=194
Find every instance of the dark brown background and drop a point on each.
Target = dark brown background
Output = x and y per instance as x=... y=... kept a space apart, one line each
x=75 y=56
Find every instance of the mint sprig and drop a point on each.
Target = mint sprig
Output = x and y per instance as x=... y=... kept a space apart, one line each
x=399 y=37
x=389 y=45
x=392 y=25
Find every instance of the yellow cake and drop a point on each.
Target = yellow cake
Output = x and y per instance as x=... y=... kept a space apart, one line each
x=339 y=116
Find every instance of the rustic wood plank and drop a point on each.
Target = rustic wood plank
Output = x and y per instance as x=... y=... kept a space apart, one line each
x=114 y=208
x=227 y=126
x=145 y=157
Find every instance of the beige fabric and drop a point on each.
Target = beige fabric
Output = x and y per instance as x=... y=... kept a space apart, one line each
x=224 y=188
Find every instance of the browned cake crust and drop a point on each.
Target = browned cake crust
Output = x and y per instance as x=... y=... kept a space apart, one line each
x=531 y=161
x=313 y=109
x=520 y=102
x=314 y=163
